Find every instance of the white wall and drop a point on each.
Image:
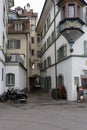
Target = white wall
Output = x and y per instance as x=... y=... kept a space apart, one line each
x=2 y=82
x=20 y=75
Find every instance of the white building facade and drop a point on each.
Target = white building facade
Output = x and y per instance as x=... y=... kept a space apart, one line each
x=63 y=30
x=12 y=74
x=3 y=41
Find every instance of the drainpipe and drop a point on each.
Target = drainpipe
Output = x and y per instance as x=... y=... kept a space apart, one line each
x=55 y=44
x=27 y=62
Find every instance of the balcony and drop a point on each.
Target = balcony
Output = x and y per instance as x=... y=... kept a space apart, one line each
x=10 y=3
x=71 y=28
x=11 y=58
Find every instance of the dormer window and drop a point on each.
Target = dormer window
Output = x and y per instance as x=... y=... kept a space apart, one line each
x=71 y=8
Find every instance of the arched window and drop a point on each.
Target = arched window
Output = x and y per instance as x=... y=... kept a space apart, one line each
x=10 y=79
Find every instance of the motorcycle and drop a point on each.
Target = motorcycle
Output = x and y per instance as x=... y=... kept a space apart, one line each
x=14 y=94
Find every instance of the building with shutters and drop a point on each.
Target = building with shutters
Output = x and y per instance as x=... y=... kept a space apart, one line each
x=23 y=42
x=63 y=31
x=4 y=5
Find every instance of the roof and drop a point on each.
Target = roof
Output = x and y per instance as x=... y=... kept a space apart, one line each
x=44 y=13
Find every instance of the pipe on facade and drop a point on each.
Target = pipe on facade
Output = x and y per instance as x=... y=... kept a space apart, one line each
x=55 y=42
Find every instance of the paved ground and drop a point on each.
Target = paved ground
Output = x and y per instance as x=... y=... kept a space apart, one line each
x=43 y=113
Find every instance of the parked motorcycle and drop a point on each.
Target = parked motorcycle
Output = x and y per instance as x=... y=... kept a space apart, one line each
x=14 y=94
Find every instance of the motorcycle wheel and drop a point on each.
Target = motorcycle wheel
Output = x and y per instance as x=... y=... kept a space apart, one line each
x=3 y=98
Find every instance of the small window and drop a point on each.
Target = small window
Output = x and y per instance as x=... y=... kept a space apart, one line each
x=38 y=66
x=18 y=27
x=33 y=27
x=85 y=48
x=63 y=12
x=45 y=63
x=33 y=66
x=38 y=53
x=32 y=39
x=32 y=52
x=10 y=79
x=71 y=10
x=2 y=74
x=49 y=61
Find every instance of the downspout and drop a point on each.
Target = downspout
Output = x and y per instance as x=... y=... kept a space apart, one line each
x=55 y=43
x=27 y=61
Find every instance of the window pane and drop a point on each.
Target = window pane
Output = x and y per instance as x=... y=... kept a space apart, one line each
x=10 y=79
x=10 y=44
x=16 y=44
x=71 y=11
x=85 y=47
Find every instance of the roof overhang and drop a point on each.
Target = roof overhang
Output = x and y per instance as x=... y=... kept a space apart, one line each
x=44 y=13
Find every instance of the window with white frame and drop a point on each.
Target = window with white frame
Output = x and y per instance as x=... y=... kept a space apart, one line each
x=18 y=27
x=71 y=8
x=13 y=44
x=10 y=79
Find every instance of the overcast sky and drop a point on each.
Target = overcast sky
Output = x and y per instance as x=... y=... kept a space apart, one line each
x=36 y=5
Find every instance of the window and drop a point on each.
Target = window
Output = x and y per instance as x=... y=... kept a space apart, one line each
x=10 y=79
x=53 y=36
x=32 y=39
x=71 y=10
x=84 y=82
x=18 y=27
x=63 y=12
x=45 y=46
x=58 y=30
x=13 y=44
x=45 y=29
x=38 y=53
x=33 y=27
x=33 y=52
x=38 y=66
x=48 y=41
x=49 y=61
x=48 y=21
x=62 y=52
x=33 y=65
x=85 y=47
x=38 y=39
x=2 y=74
x=78 y=11
x=45 y=64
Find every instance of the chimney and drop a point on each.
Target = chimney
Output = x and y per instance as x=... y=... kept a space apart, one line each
x=28 y=7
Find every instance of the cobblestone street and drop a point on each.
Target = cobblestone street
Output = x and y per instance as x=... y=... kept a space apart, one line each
x=42 y=113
